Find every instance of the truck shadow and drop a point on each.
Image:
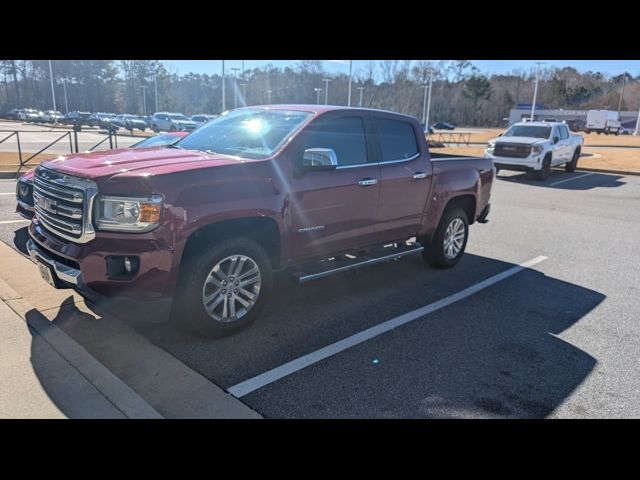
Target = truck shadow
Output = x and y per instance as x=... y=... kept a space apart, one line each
x=20 y=237
x=593 y=180
x=495 y=354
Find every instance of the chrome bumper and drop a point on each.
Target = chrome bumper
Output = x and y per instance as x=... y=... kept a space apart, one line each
x=63 y=272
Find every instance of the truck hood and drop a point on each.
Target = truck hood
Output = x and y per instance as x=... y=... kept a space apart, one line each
x=522 y=140
x=138 y=162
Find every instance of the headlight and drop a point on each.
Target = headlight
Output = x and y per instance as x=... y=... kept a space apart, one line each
x=123 y=214
x=23 y=190
x=491 y=147
x=536 y=150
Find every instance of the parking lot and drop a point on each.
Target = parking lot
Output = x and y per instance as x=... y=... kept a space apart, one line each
x=539 y=319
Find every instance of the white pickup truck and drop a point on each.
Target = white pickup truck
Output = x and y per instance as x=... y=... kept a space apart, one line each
x=535 y=147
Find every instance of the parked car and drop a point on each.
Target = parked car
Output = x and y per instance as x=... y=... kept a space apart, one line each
x=624 y=131
x=202 y=118
x=76 y=118
x=535 y=147
x=13 y=114
x=443 y=126
x=257 y=190
x=24 y=186
x=172 y=122
x=35 y=116
x=24 y=113
x=134 y=121
x=52 y=116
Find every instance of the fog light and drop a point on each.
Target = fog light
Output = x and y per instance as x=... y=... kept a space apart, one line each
x=127 y=264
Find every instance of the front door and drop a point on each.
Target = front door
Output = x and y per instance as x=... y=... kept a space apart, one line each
x=335 y=210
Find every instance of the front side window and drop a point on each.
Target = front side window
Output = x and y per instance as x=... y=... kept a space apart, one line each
x=564 y=133
x=397 y=139
x=250 y=133
x=177 y=117
x=345 y=135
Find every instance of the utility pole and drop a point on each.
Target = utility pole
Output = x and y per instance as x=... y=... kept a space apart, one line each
x=624 y=81
x=235 y=85
x=535 y=90
x=53 y=92
x=155 y=84
x=66 y=104
x=637 y=132
x=317 y=90
x=350 y=71
x=268 y=97
x=424 y=106
x=426 y=122
x=223 y=91
x=361 y=89
x=144 y=99
x=244 y=92
x=243 y=70
x=326 y=90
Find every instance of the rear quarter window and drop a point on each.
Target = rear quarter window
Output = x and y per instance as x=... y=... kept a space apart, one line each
x=397 y=139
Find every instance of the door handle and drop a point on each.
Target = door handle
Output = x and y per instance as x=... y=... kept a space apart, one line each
x=367 y=182
x=419 y=175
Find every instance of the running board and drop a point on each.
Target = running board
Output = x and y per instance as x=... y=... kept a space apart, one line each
x=330 y=267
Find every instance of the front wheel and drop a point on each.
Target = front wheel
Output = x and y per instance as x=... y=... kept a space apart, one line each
x=545 y=171
x=225 y=287
x=449 y=241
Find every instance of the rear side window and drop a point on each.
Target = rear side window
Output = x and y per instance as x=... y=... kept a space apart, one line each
x=564 y=132
x=345 y=135
x=397 y=139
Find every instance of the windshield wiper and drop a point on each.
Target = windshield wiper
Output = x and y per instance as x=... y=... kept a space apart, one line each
x=173 y=145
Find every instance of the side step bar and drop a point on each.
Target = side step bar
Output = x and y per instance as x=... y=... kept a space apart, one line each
x=329 y=267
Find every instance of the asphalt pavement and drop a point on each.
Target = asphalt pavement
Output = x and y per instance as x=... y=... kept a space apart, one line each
x=556 y=339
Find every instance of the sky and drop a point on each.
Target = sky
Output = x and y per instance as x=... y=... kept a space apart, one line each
x=487 y=67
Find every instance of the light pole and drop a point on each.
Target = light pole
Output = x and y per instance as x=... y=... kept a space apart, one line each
x=637 y=132
x=350 y=70
x=235 y=85
x=424 y=105
x=317 y=90
x=326 y=90
x=535 y=89
x=224 y=104
x=155 y=84
x=66 y=104
x=426 y=122
x=268 y=97
x=624 y=81
x=144 y=99
x=361 y=89
x=53 y=92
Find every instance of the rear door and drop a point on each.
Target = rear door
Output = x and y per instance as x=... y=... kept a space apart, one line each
x=333 y=211
x=564 y=144
x=406 y=175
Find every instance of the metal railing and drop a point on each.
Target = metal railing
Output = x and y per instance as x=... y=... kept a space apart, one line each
x=459 y=138
x=73 y=142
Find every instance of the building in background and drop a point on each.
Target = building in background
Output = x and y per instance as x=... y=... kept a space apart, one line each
x=522 y=112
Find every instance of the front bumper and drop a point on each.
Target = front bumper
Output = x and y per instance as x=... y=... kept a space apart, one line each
x=528 y=164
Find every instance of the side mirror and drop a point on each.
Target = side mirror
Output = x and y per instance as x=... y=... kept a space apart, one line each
x=556 y=139
x=319 y=159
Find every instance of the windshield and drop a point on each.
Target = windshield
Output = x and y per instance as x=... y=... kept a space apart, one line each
x=246 y=133
x=531 y=131
x=178 y=117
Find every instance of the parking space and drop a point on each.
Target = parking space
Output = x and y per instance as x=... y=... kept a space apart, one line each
x=486 y=339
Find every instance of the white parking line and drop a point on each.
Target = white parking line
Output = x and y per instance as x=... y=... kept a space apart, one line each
x=259 y=381
x=571 y=179
x=3 y=222
x=7 y=193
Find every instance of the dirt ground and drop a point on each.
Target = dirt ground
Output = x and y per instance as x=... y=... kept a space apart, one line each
x=10 y=161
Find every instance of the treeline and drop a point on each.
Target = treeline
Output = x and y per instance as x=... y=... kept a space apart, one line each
x=460 y=94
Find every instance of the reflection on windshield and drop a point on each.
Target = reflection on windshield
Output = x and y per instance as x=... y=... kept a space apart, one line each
x=250 y=133
x=530 y=131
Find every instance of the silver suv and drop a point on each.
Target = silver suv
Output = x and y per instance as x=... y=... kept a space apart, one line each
x=172 y=122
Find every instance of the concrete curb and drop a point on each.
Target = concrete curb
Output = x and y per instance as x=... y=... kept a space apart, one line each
x=598 y=170
x=114 y=389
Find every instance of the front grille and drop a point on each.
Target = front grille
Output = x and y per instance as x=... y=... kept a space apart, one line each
x=63 y=203
x=514 y=150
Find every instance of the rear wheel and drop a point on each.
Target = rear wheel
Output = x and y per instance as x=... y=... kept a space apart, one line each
x=571 y=166
x=225 y=287
x=544 y=172
x=447 y=245
x=172 y=128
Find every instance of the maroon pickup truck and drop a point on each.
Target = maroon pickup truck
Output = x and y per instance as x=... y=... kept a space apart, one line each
x=199 y=227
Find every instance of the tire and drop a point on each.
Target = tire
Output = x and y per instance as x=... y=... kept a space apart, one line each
x=194 y=286
x=172 y=128
x=434 y=252
x=571 y=166
x=544 y=172
x=155 y=128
